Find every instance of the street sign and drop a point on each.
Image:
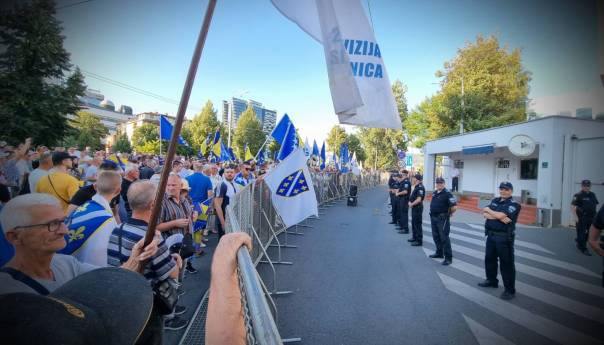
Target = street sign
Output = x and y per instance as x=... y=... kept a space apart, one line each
x=409 y=161
x=400 y=154
x=401 y=164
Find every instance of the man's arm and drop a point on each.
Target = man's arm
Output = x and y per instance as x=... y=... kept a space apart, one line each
x=176 y=223
x=218 y=210
x=594 y=240
x=225 y=324
x=487 y=215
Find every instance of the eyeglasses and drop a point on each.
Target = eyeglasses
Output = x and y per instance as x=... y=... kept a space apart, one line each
x=52 y=226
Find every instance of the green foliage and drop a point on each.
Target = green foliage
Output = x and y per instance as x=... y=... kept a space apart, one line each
x=149 y=147
x=122 y=144
x=399 y=90
x=248 y=131
x=354 y=145
x=204 y=123
x=88 y=130
x=336 y=137
x=35 y=91
x=380 y=146
x=144 y=134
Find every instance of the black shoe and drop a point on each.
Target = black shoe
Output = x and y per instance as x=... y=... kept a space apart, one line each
x=447 y=262
x=179 y=309
x=175 y=324
x=436 y=256
x=506 y=295
x=405 y=231
x=392 y=223
x=586 y=252
x=411 y=240
x=416 y=244
x=489 y=284
x=190 y=269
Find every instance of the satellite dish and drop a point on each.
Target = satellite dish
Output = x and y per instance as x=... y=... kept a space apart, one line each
x=521 y=145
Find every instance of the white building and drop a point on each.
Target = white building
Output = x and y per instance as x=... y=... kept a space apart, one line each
x=556 y=153
x=129 y=126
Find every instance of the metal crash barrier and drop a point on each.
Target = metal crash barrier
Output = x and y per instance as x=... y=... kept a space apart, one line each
x=252 y=211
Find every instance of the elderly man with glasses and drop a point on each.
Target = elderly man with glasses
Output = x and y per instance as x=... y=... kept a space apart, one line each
x=35 y=225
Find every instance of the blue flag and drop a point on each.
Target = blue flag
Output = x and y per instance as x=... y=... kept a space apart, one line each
x=344 y=157
x=166 y=129
x=288 y=145
x=315 y=148
x=261 y=157
x=202 y=209
x=323 y=159
x=232 y=154
x=281 y=129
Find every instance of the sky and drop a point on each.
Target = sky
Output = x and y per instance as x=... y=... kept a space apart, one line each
x=254 y=52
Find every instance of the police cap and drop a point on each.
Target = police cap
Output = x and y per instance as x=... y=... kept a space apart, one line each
x=586 y=183
x=440 y=180
x=506 y=185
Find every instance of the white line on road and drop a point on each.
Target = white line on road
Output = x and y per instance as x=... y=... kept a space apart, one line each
x=536 y=272
x=545 y=327
x=521 y=253
x=539 y=294
x=517 y=242
x=485 y=336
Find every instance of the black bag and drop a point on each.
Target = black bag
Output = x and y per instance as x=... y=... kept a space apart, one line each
x=165 y=294
x=185 y=249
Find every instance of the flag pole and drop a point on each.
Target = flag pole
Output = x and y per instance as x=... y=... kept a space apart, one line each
x=180 y=115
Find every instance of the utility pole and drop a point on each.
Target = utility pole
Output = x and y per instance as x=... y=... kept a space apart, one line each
x=462 y=108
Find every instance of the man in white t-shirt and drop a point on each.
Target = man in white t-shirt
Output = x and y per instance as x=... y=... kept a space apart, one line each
x=42 y=170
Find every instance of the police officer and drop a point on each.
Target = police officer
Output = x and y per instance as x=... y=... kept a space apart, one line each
x=442 y=206
x=403 y=193
x=501 y=215
x=416 y=202
x=584 y=205
x=392 y=188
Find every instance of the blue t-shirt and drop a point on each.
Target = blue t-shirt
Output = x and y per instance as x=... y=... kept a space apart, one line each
x=200 y=186
x=7 y=251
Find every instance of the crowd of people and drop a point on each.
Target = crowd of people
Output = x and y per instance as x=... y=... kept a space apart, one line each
x=65 y=213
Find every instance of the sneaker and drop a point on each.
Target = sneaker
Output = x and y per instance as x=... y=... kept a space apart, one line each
x=506 y=295
x=179 y=310
x=202 y=245
x=436 y=256
x=175 y=324
x=489 y=284
x=447 y=262
x=200 y=253
x=205 y=240
x=190 y=269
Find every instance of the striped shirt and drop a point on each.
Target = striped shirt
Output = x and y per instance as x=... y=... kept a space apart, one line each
x=172 y=209
x=160 y=265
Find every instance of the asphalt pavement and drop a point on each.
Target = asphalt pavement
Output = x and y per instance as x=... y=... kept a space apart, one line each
x=355 y=280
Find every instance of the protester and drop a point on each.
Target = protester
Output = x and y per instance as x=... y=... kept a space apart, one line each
x=43 y=169
x=35 y=225
x=201 y=185
x=131 y=174
x=59 y=183
x=91 y=224
x=225 y=192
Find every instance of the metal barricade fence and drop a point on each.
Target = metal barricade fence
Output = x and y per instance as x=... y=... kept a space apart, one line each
x=251 y=210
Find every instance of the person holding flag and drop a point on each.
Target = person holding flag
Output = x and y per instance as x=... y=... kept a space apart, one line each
x=244 y=177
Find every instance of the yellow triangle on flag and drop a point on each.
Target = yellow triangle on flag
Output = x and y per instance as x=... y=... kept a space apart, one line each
x=248 y=154
x=204 y=147
x=217 y=148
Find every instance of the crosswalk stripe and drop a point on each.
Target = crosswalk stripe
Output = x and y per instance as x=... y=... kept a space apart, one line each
x=539 y=294
x=480 y=233
x=483 y=335
x=545 y=327
x=521 y=253
x=578 y=285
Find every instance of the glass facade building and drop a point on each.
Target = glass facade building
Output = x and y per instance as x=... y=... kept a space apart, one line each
x=231 y=111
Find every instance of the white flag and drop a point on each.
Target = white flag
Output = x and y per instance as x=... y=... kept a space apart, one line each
x=360 y=87
x=292 y=190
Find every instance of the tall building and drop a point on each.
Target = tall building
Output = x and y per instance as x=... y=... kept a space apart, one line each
x=231 y=111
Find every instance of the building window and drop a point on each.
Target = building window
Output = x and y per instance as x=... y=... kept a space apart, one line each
x=458 y=164
x=503 y=164
x=529 y=169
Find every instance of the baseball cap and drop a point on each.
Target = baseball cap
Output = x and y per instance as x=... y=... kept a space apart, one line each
x=506 y=185
x=104 y=306
x=440 y=180
x=419 y=177
x=586 y=183
x=58 y=157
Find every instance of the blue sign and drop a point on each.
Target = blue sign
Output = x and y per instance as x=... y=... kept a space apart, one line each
x=400 y=154
x=409 y=161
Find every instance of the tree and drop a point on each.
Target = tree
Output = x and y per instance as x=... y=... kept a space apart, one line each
x=88 y=130
x=122 y=144
x=149 y=147
x=144 y=134
x=206 y=122
x=248 y=132
x=380 y=145
x=36 y=95
x=495 y=87
x=336 y=137
x=399 y=90
x=354 y=145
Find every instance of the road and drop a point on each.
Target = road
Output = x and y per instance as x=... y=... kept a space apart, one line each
x=355 y=280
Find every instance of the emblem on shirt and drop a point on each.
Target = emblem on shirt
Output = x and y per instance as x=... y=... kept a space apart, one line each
x=512 y=209
x=293 y=184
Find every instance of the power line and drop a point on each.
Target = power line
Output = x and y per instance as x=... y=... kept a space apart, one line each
x=134 y=89
x=74 y=4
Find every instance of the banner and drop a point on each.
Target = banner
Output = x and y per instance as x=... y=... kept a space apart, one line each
x=359 y=85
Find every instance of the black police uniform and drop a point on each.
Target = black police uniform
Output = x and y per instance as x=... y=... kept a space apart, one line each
x=395 y=202
x=403 y=205
x=585 y=203
x=439 y=218
x=416 y=212
x=391 y=184
x=599 y=225
x=500 y=244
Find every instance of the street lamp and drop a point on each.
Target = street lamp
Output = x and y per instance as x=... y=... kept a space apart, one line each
x=462 y=108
